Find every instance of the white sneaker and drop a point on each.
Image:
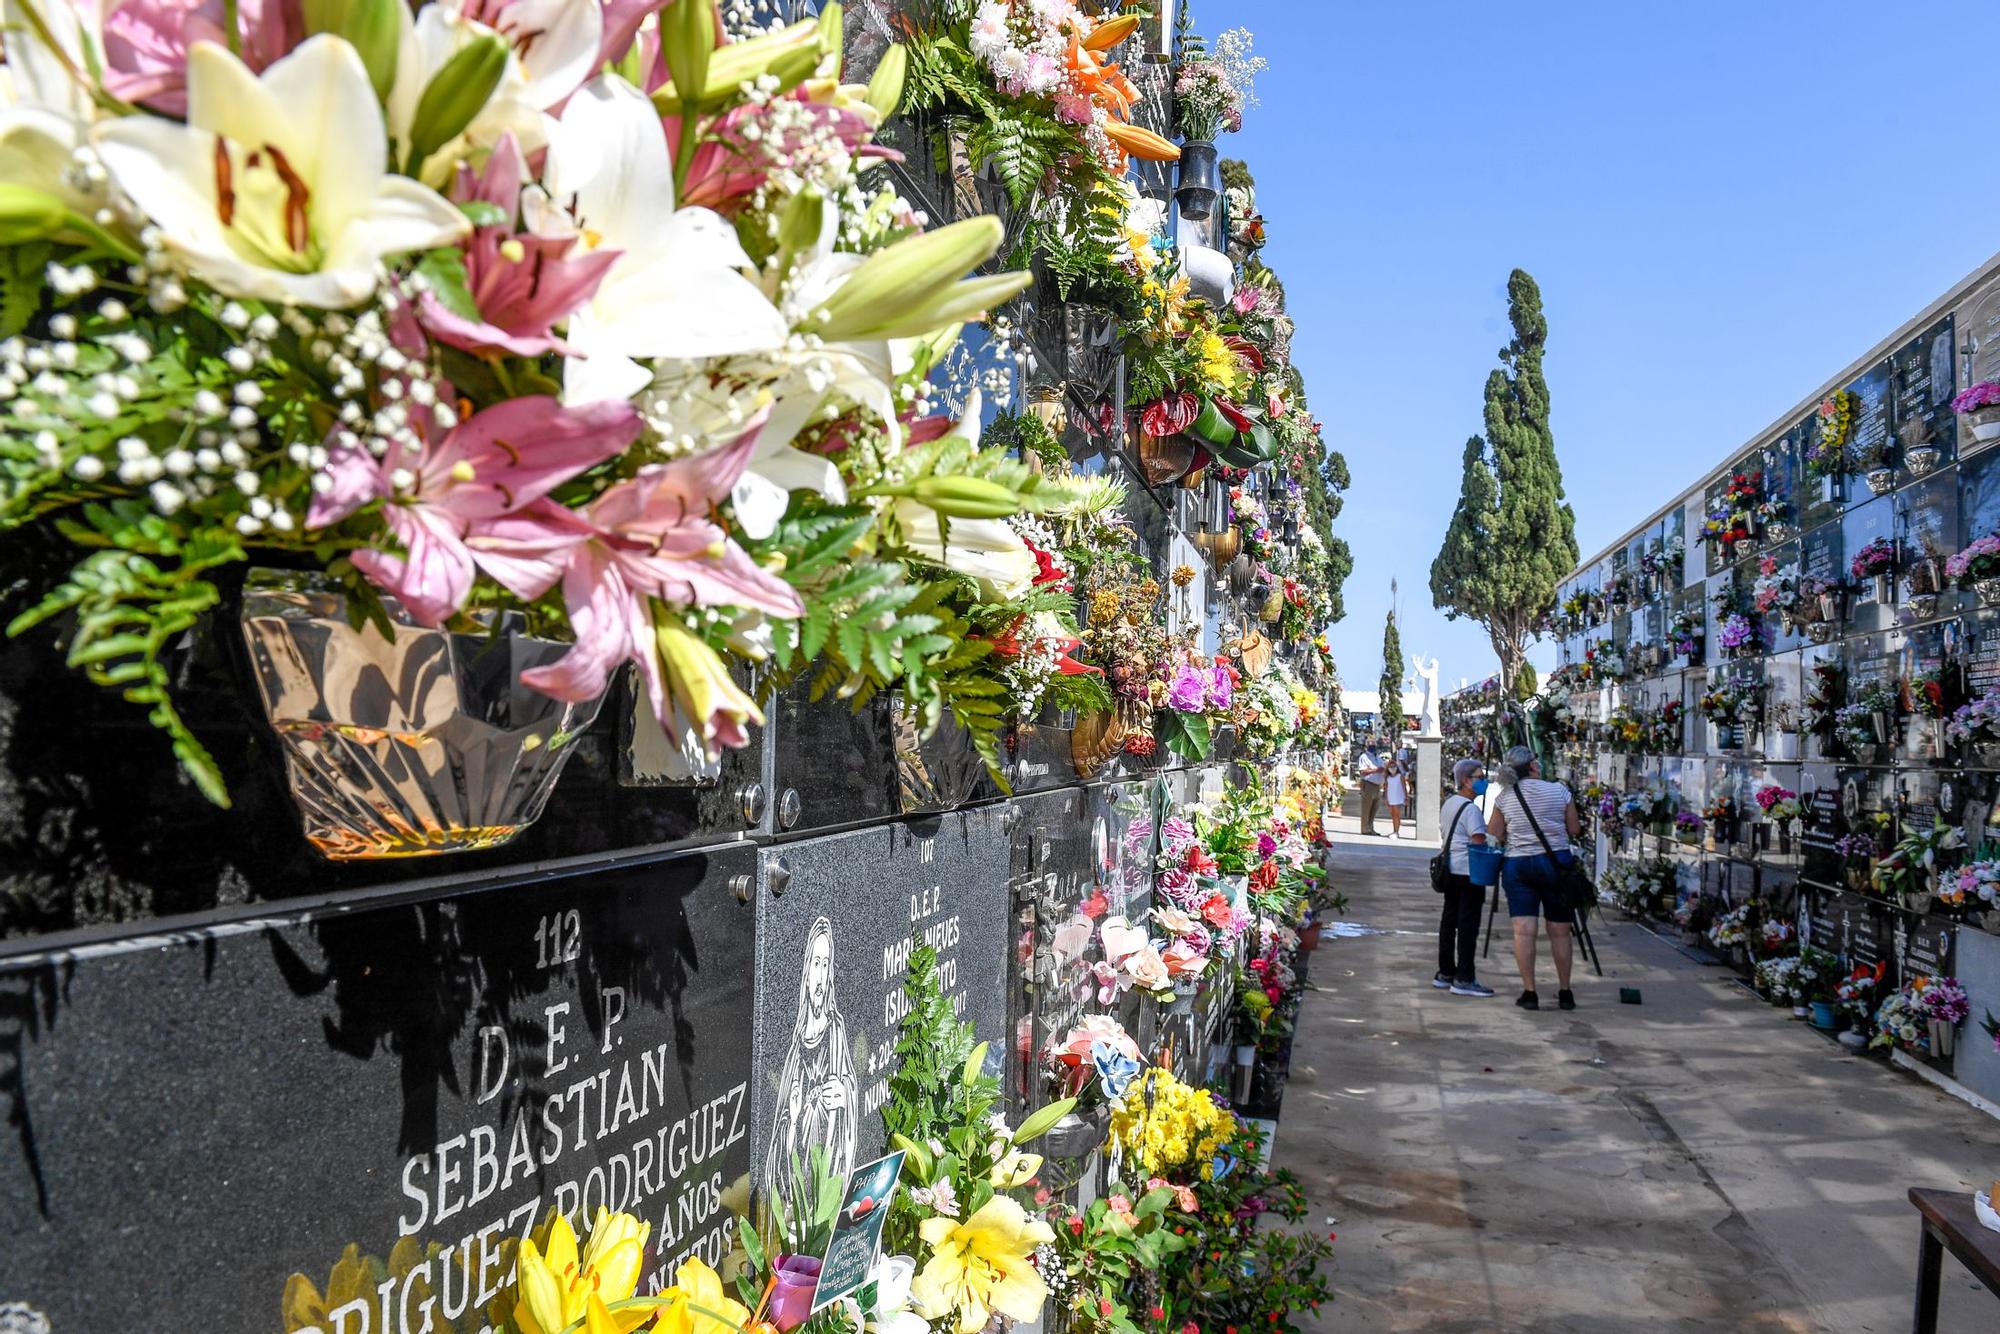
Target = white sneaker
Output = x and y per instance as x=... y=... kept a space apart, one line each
x=1441 y=982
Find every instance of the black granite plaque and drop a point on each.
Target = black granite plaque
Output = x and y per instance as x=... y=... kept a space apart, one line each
x=1979 y=492
x=1823 y=925
x=832 y=765
x=1870 y=440
x=1982 y=655
x=195 y=1118
x=1868 y=938
x=837 y=917
x=1928 y=947
x=1922 y=380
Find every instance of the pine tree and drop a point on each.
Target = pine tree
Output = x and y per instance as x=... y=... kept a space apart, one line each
x=1512 y=537
x=1390 y=710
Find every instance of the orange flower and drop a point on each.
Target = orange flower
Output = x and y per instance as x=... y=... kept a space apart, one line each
x=1103 y=84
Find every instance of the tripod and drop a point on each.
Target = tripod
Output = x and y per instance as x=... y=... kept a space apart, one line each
x=1582 y=929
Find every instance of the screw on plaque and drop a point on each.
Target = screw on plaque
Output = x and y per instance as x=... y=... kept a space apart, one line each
x=743 y=886
x=750 y=802
x=778 y=875
x=789 y=808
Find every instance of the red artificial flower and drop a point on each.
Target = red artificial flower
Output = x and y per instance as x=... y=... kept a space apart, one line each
x=1096 y=905
x=1047 y=571
x=1264 y=876
x=1170 y=415
x=1158 y=1313
x=1217 y=912
x=1247 y=350
x=1141 y=746
x=1069 y=666
x=1198 y=861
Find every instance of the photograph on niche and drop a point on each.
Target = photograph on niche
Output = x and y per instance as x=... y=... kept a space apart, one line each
x=818 y=1096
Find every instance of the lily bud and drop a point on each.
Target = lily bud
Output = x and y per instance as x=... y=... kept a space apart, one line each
x=1141 y=143
x=956 y=304
x=885 y=86
x=737 y=63
x=1111 y=32
x=456 y=94
x=799 y=226
x=831 y=33
x=27 y=214
x=369 y=26
x=687 y=41
x=889 y=283
x=966 y=497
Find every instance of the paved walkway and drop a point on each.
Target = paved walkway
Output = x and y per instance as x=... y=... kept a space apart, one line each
x=1697 y=1162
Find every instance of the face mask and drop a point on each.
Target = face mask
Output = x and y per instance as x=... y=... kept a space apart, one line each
x=1479 y=787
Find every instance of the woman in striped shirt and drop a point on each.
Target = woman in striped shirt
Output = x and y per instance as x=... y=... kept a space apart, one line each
x=1532 y=872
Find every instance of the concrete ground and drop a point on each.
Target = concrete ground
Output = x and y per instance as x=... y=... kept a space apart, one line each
x=1700 y=1161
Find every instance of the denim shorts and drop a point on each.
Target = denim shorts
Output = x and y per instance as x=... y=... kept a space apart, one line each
x=1531 y=888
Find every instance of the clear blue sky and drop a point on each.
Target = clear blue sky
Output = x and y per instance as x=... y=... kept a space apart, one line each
x=1724 y=201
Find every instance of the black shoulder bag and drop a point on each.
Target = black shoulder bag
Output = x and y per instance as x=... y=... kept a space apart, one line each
x=1441 y=864
x=1574 y=887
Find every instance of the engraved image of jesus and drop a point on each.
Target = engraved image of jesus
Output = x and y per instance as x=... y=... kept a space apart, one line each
x=818 y=1098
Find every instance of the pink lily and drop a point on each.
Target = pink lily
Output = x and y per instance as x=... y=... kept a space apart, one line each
x=521 y=283
x=648 y=538
x=146 y=44
x=487 y=467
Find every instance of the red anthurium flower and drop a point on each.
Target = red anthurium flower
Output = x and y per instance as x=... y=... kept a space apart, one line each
x=1170 y=415
x=1247 y=350
x=1236 y=416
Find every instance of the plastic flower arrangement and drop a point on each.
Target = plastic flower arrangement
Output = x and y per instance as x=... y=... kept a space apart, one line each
x=1775 y=937
x=1944 y=999
x=470 y=363
x=1856 y=847
x=1733 y=927
x=1725 y=702
x=1900 y=1021
x=1212 y=89
x=1687 y=823
x=1816 y=977
x=1979 y=559
x=1877 y=557
x=1772 y=795
x=1737 y=632
x=1744 y=489
x=1978 y=721
x=1833 y=419
x=1166 y=1129
x=1774 y=590
x=1855 y=996
x=1978 y=882
x=1776 y=978
x=1985 y=394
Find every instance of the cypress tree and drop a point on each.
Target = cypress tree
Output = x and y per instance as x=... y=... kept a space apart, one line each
x=1511 y=537
x=1390 y=710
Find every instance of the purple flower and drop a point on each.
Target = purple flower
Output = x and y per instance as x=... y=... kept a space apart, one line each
x=1189 y=691
x=1985 y=394
x=1266 y=845
x=1221 y=689
x=795 y=1279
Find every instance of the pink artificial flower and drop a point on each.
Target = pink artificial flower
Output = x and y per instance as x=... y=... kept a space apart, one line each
x=146 y=44
x=435 y=494
x=646 y=538
x=521 y=283
x=731 y=163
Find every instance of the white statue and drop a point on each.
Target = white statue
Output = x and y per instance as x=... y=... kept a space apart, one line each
x=1427 y=717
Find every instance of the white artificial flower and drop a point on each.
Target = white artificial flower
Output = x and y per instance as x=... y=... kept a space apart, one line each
x=677 y=289
x=45 y=112
x=278 y=185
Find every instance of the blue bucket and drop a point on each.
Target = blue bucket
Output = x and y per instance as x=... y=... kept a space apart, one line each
x=1483 y=863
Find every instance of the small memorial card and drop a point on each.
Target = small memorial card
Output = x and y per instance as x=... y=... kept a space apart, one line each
x=857 y=1230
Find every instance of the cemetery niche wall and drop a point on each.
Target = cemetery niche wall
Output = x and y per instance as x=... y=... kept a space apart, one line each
x=1777 y=698
x=498 y=875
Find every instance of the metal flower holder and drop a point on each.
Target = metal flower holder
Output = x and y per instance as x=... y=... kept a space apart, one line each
x=407 y=747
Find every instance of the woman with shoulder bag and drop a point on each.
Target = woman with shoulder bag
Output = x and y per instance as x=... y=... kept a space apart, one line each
x=1458 y=926
x=1536 y=819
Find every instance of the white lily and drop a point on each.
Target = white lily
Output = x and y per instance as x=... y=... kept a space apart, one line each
x=45 y=109
x=988 y=550
x=278 y=186
x=677 y=290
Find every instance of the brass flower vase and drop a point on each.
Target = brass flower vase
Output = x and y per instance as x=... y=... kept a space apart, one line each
x=422 y=744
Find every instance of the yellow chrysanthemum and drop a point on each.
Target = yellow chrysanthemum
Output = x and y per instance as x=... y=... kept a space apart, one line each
x=1163 y=1124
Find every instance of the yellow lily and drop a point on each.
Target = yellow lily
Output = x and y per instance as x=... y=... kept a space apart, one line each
x=697 y=1304
x=1015 y=1168
x=981 y=1265
x=554 y=1286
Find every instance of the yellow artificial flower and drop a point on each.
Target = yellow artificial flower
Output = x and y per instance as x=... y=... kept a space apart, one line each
x=1015 y=1168
x=697 y=1304
x=981 y=1265
x=1219 y=361
x=554 y=1285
